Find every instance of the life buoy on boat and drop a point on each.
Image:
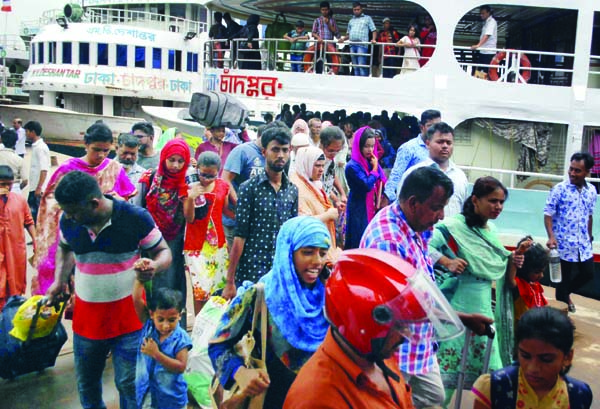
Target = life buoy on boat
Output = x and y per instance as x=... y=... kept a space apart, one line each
x=310 y=55
x=523 y=63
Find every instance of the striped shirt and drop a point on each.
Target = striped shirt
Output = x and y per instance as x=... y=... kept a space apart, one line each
x=389 y=231
x=104 y=273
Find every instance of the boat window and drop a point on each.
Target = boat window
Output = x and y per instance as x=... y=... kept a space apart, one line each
x=67 y=57
x=140 y=56
x=84 y=53
x=121 y=55
x=41 y=53
x=171 y=59
x=532 y=44
x=192 y=62
x=177 y=10
x=156 y=58
x=52 y=52
x=102 y=54
x=33 y=55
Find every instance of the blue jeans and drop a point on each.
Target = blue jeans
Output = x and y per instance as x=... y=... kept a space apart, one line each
x=297 y=67
x=360 y=60
x=90 y=360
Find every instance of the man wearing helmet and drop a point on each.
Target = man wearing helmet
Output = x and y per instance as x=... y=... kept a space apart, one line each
x=404 y=228
x=370 y=316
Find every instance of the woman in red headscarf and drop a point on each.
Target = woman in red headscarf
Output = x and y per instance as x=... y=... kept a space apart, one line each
x=164 y=191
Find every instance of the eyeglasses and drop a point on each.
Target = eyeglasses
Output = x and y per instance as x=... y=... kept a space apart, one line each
x=140 y=136
x=207 y=176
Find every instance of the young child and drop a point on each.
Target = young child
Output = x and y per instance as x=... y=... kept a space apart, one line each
x=297 y=37
x=527 y=290
x=162 y=358
x=205 y=247
x=14 y=217
x=544 y=339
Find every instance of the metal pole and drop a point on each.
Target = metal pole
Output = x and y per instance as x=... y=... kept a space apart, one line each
x=4 y=79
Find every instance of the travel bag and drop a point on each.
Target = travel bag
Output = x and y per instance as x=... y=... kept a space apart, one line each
x=33 y=354
x=217 y=109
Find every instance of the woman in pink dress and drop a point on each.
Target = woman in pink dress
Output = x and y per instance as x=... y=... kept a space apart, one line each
x=112 y=179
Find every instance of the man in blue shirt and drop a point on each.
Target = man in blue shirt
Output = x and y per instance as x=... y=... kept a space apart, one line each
x=568 y=218
x=409 y=154
x=360 y=28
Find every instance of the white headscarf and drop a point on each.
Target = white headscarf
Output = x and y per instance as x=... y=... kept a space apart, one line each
x=305 y=161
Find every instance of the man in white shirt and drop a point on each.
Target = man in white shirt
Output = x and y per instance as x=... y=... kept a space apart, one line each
x=127 y=152
x=488 y=38
x=9 y=157
x=18 y=127
x=440 y=144
x=39 y=171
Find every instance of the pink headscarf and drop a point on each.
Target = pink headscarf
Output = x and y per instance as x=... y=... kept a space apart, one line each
x=374 y=195
x=300 y=126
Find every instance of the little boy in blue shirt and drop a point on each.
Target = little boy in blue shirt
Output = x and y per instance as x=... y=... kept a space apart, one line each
x=163 y=354
x=297 y=37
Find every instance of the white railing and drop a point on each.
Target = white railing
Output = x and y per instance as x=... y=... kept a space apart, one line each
x=517 y=65
x=13 y=42
x=12 y=80
x=32 y=27
x=325 y=57
x=546 y=179
x=143 y=18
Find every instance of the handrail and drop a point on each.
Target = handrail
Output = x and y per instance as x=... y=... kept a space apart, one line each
x=517 y=173
x=135 y=17
x=225 y=54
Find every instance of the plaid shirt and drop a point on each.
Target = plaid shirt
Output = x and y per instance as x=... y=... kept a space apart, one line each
x=409 y=154
x=321 y=28
x=389 y=231
x=360 y=28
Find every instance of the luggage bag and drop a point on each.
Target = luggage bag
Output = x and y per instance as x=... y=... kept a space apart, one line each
x=34 y=354
x=491 y=332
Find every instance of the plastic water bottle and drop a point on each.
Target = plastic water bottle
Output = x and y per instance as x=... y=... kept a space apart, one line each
x=555 y=274
x=192 y=179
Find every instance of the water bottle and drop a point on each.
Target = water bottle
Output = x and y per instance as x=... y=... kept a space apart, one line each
x=555 y=274
x=192 y=179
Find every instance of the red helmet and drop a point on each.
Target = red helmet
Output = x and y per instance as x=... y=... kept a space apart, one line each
x=370 y=291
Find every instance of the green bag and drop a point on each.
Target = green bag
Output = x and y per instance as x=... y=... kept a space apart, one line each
x=278 y=29
x=446 y=281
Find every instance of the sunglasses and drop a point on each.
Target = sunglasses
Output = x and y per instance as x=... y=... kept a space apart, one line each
x=207 y=176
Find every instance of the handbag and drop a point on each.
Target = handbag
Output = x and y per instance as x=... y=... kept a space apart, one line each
x=233 y=399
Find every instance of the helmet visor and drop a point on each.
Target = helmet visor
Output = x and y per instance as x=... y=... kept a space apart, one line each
x=421 y=302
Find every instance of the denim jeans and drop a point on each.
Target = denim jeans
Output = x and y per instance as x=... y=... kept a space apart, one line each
x=90 y=360
x=297 y=67
x=360 y=60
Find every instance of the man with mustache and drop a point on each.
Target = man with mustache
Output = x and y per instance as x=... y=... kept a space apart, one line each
x=128 y=147
x=265 y=202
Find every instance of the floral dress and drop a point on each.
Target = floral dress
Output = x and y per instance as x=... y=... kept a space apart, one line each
x=205 y=247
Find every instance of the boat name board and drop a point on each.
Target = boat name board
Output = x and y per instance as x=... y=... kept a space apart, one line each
x=137 y=81
x=123 y=32
x=55 y=72
x=246 y=85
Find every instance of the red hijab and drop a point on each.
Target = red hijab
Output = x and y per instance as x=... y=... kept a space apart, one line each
x=174 y=180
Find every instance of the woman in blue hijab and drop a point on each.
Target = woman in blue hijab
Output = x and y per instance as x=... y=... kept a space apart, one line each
x=294 y=295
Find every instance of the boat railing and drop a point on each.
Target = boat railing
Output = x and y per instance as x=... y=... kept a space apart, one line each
x=519 y=66
x=12 y=80
x=144 y=18
x=13 y=42
x=275 y=55
x=519 y=179
x=595 y=70
x=29 y=28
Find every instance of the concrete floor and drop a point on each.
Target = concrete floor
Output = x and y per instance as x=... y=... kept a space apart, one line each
x=56 y=387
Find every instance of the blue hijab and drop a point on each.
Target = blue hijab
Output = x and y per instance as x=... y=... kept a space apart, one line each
x=296 y=309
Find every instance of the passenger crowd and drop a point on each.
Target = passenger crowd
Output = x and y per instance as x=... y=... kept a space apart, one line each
x=271 y=225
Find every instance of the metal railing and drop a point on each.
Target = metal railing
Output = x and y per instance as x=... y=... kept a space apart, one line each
x=546 y=179
x=143 y=18
x=517 y=66
x=317 y=57
x=102 y=15
x=13 y=42
x=12 y=80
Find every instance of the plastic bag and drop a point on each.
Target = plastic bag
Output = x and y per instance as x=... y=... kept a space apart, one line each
x=199 y=371
x=49 y=316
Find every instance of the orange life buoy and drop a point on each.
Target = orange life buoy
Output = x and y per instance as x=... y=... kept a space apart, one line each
x=310 y=55
x=523 y=63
